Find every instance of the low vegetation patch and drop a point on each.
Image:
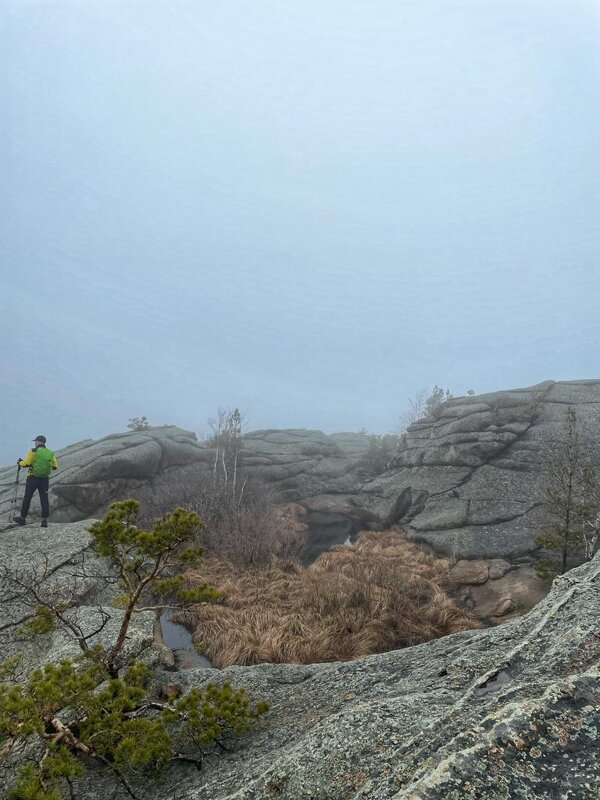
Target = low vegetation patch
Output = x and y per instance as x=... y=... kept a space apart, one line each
x=379 y=594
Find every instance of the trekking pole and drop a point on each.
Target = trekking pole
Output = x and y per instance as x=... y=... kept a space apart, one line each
x=13 y=500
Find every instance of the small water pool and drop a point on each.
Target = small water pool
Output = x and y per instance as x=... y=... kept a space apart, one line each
x=179 y=640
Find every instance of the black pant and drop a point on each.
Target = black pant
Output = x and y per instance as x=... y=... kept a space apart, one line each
x=33 y=484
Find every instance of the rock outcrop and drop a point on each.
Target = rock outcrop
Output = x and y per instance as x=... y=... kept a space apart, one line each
x=506 y=712
x=495 y=590
x=470 y=479
x=60 y=554
x=92 y=474
x=294 y=464
x=298 y=463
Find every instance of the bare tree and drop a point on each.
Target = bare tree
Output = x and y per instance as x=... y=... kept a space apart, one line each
x=415 y=410
x=591 y=537
x=227 y=440
x=423 y=404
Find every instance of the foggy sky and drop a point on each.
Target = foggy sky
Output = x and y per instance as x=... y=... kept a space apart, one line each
x=307 y=210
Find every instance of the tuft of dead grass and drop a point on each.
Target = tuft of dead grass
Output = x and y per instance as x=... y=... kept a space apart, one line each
x=380 y=594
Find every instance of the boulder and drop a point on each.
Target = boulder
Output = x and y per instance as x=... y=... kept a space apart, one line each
x=470 y=572
x=513 y=593
x=498 y=567
x=495 y=590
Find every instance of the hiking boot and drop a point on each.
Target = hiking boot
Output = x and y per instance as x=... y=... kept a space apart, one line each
x=44 y=523
x=20 y=520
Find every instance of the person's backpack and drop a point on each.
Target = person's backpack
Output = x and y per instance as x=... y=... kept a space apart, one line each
x=42 y=462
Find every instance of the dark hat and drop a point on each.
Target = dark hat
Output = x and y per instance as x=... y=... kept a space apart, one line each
x=40 y=438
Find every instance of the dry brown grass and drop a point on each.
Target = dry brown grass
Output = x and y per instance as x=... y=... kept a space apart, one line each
x=381 y=594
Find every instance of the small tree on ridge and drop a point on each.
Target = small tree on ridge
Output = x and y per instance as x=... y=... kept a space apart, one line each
x=572 y=500
x=97 y=709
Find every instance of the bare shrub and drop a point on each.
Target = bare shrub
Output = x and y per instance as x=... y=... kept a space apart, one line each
x=415 y=410
x=381 y=594
x=246 y=528
x=246 y=532
x=243 y=523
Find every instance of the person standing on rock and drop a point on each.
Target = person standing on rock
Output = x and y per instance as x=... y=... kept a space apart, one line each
x=41 y=461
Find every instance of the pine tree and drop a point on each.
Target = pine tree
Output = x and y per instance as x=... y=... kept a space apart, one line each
x=138 y=424
x=436 y=398
x=98 y=709
x=379 y=454
x=572 y=500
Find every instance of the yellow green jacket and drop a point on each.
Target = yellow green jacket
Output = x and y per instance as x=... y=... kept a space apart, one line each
x=30 y=458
